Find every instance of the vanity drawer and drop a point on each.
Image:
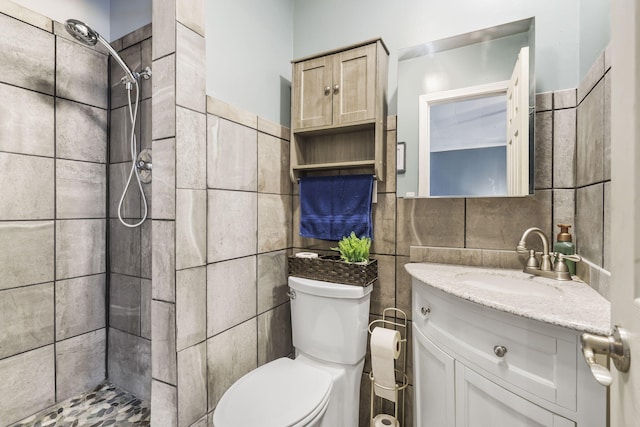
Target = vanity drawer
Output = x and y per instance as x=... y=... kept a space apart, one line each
x=540 y=360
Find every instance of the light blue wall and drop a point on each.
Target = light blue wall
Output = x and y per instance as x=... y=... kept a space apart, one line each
x=249 y=52
x=327 y=24
x=127 y=16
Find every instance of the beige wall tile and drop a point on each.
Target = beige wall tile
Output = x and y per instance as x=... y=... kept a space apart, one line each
x=564 y=99
x=120 y=134
x=191 y=226
x=125 y=249
x=232 y=113
x=163 y=190
x=498 y=223
x=192 y=384
x=81 y=189
x=543 y=150
x=191 y=14
x=230 y=355
x=274 y=334
x=191 y=307
x=27 y=187
x=124 y=303
x=164 y=96
x=231 y=155
x=28 y=383
x=594 y=75
x=163 y=342
x=272 y=280
x=76 y=243
x=26 y=15
x=80 y=363
x=590 y=138
x=81 y=74
x=403 y=286
x=30 y=128
x=231 y=293
x=588 y=235
x=131 y=205
x=27 y=318
x=430 y=222
x=16 y=56
x=273 y=165
x=31 y=259
x=81 y=132
x=191 y=149
x=190 y=69
x=564 y=148
x=231 y=225
x=80 y=305
x=274 y=220
x=163 y=17
x=384 y=224
x=544 y=101
x=129 y=363
x=163 y=260
x=164 y=404
x=384 y=288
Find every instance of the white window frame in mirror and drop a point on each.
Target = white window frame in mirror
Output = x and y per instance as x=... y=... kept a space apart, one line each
x=517 y=126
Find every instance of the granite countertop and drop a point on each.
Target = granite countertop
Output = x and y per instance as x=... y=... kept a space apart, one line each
x=571 y=304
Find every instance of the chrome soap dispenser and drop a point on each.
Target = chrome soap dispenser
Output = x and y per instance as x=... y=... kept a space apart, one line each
x=564 y=245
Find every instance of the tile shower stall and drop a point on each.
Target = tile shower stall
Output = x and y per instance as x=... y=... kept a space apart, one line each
x=55 y=268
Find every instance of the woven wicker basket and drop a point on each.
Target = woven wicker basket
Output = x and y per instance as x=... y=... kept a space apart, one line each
x=333 y=269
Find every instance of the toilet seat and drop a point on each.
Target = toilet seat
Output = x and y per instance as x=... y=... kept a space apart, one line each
x=282 y=393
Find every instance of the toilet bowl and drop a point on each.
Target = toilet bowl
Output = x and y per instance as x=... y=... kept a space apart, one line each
x=321 y=386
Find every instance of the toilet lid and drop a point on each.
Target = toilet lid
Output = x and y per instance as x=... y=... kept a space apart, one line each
x=283 y=393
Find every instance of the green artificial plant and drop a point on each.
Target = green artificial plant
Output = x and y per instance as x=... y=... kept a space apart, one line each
x=353 y=248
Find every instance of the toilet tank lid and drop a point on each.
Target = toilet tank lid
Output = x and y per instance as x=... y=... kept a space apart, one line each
x=328 y=289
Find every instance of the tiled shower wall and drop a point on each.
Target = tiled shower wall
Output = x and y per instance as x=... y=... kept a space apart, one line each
x=53 y=136
x=129 y=350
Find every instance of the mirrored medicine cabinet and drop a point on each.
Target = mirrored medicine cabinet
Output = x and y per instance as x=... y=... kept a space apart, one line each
x=466 y=108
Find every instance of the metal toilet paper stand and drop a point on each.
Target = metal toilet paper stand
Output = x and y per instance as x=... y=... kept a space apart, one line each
x=402 y=381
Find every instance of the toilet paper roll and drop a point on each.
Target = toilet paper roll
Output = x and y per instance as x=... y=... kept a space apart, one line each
x=306 y=255
x=385 y=349
x=384 y=420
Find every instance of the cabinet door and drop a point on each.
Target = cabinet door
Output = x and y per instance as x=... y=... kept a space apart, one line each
x=482 y=403
x=434 y=404
x=312 y=93
x=354 y=84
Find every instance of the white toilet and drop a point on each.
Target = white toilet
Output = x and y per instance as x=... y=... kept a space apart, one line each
x=321 y=386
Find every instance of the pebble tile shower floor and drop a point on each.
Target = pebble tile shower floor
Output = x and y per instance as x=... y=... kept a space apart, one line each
x=106 y=405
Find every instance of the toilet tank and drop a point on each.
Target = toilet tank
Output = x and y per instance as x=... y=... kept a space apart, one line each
x=329 y=320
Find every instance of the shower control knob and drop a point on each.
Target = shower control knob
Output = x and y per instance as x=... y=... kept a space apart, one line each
x=500 y=350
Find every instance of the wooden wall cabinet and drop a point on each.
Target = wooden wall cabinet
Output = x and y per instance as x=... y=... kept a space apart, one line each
x=338 y=117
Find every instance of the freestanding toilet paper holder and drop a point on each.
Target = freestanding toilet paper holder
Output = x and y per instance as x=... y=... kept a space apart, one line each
x=402 y=381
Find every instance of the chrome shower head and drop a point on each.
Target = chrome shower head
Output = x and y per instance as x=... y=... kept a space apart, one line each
x=81 y=32
x=85 y=35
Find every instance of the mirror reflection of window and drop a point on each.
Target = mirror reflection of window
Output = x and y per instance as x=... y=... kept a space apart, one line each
x=471 y=140
x=468 y=147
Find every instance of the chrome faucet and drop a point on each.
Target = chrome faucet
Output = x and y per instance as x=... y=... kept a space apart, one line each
x=553 y=268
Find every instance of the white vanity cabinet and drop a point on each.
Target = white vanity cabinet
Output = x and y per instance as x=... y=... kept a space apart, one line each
x=479 y=366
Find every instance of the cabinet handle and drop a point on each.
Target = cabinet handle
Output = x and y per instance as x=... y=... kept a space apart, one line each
x=500 y=350
x=327 y=90
x=336 y=89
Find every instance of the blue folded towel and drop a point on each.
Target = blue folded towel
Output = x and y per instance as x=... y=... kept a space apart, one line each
x=331 y=207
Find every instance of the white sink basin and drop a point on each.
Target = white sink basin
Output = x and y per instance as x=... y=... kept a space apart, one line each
x=509 y=284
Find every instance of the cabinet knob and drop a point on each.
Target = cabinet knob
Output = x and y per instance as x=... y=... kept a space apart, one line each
x=500 y=350
x=425 y=311
x=327 y=90
x=336 y=89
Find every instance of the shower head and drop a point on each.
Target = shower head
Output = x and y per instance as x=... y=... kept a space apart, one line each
x=85 y=35
x=81 y=32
